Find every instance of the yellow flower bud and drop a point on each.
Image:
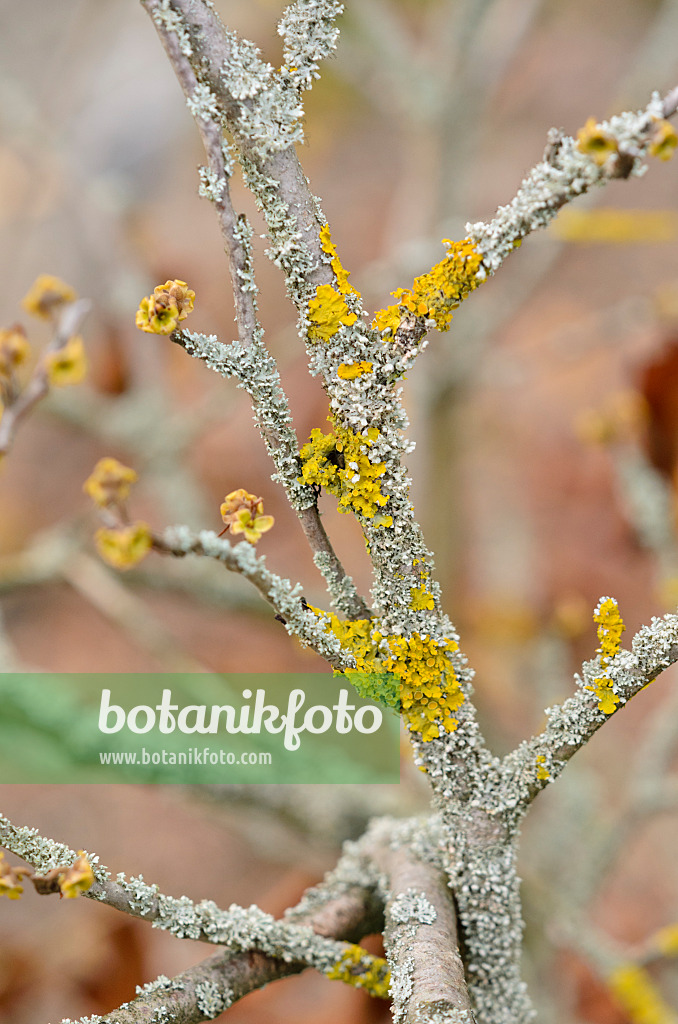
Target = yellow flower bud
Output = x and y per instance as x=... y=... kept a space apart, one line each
x=77 y=878
x=243 y=513
x=596 y=142
x=664 y=140
x=109 y=483
x=124 y=547
x=67 y=365
x=46 y=295
x=14 y=349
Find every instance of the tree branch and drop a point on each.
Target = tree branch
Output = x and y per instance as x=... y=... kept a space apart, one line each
x=264 y=387
x=538 y=761
x=258 y=374
x=565 y=173
x=428 y=982
x=285 y=597
x=347 y=909
x=68 y=324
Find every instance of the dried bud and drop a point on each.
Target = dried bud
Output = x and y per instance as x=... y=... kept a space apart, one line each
x=162 y=312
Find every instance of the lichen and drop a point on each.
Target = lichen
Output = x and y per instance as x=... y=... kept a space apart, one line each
x=340 y=273
x=212 y=999
x=564 y=174
x=327 y=313
x=310 y=36
x=430 y=692
x=436 y=294
x=342 y=463
x=353 y=968
x=610 y=629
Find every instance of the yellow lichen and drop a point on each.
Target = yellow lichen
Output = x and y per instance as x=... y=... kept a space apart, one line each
x=421 y=600
x=340 y=463
x=542 y=771
x=327 y=312
x=436 y=294
x=607 y=698
x=610 y=629
x=429 y=689
x=349 y=371
x=341 y=275
x=359 y=968
x=415 y=676
x=370 y=678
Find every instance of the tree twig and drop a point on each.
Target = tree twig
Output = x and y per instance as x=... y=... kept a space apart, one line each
x=68 y=324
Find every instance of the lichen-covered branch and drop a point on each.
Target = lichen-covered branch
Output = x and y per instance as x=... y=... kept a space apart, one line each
x=603 y=152
x=312 y=936
x=427 y=974
x=538 y=761
x=309 y=35
x=199 y=994
x=257 y=373
x=262 y=109
x=285 y=597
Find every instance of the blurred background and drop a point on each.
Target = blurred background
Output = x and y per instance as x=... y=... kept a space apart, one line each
x=546 y=424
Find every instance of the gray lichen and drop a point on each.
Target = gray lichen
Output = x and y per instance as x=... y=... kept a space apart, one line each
x=310 y=35
x=212 y=1000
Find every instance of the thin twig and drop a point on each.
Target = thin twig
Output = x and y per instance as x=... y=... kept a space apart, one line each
x=285 y=598
x=68 y=324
